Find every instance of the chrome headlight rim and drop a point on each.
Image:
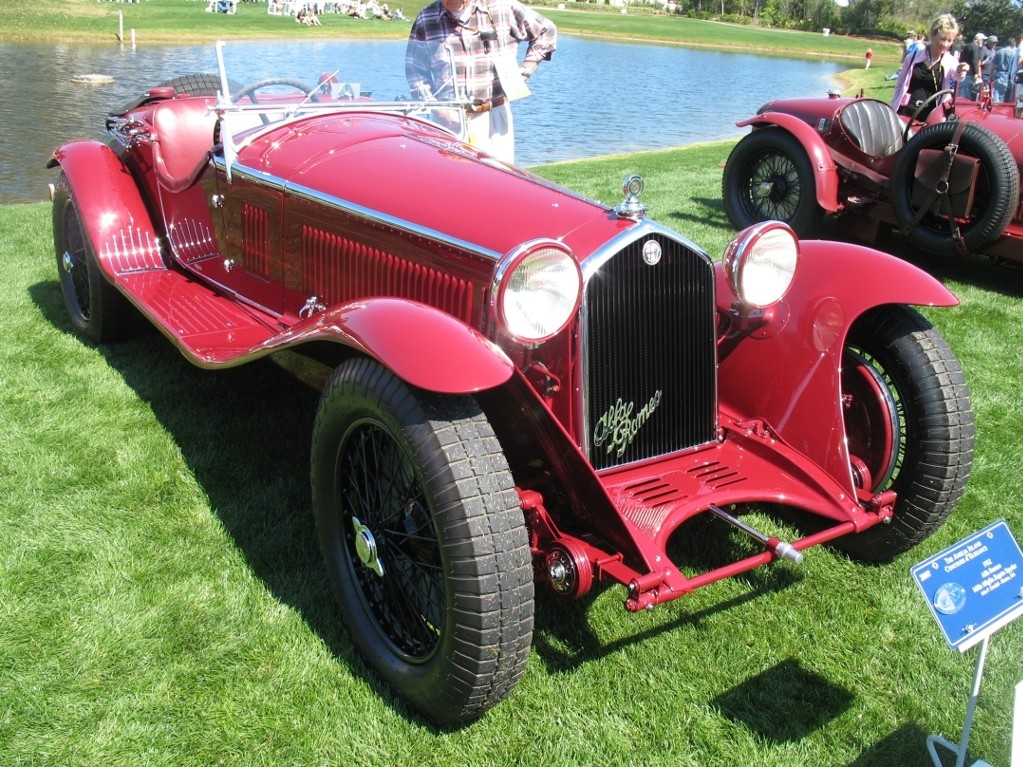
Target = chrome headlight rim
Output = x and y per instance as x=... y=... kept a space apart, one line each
x=562 y=302
x=760 y=263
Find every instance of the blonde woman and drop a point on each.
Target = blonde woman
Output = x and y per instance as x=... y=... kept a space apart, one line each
x=929 y=69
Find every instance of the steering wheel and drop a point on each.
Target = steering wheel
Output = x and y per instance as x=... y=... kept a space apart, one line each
x=915 y=118
x=250 y=90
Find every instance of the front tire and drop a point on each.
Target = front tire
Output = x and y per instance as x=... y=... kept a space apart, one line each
x=909 y=426
x=424 y=540
x=768 y=176
x=97 y=310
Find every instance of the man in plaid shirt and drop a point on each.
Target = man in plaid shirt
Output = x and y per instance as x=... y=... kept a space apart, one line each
x=481 y=38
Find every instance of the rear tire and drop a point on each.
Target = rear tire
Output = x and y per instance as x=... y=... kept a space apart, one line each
x=769 y=176
x=97 y=310
x=424 y=540
x=909 y=426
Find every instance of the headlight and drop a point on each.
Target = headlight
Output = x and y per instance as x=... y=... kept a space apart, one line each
x=760 y=262
x=538 y=290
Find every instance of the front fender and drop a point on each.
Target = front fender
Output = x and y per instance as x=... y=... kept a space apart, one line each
x=824 y=169
x=111 y=207
x=788 y=371
x=421 y=345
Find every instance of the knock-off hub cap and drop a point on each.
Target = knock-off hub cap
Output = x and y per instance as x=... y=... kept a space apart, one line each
x=366 y=547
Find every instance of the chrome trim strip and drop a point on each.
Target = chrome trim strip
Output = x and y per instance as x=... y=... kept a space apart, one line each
x=643 y=228
x=354 y=209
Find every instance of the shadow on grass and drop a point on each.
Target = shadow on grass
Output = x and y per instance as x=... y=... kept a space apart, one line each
x=810 y=700
x=245 y=435
x=563 y=639
x=905 y=746
x=709 y=212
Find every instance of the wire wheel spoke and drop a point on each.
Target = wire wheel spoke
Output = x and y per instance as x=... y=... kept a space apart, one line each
x=876 y=417
x=75 y=263
x=403 y=585
x=774 y=187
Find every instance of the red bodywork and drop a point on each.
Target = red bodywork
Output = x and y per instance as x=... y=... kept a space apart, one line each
x=360 y=233
x=858 y=184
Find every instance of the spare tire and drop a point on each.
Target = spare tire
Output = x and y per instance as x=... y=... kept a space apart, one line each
x=995 y=193
x=197 y=84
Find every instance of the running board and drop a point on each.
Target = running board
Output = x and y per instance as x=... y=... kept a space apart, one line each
x=208 y=328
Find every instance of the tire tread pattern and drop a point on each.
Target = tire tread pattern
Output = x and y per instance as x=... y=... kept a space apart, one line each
x=481 y=530
x=939 y=416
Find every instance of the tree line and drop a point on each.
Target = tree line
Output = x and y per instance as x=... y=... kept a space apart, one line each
x=867 y=18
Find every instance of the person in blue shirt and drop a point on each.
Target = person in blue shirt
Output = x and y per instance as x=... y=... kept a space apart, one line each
x=1003 y=69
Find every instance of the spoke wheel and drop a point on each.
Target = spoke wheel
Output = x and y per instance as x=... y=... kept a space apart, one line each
x=96 y=309
x=390 y=521
x=768 y=176
x=909 y=426
x=424 y=540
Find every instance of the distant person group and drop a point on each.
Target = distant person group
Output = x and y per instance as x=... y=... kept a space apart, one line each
x=943 y=60
x=309 y=12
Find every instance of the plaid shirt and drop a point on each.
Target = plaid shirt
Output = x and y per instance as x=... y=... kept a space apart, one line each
x=492 y=28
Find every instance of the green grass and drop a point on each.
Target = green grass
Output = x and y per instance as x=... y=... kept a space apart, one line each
x=169 y=21
x=162 y=600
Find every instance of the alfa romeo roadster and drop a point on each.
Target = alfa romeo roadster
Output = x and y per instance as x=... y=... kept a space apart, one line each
x=521 y=386
x=950 y=184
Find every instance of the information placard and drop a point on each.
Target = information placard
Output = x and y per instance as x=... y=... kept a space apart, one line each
x=974 y=587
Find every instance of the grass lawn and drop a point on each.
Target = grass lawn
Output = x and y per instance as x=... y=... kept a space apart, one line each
x=162 y=600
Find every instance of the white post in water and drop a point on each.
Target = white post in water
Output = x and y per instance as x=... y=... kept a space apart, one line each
x=120 y=26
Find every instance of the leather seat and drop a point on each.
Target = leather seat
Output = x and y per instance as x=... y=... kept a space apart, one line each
x=182 y=141
x=873 y=126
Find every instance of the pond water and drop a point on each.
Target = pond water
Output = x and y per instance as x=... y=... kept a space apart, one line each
x=594 y=98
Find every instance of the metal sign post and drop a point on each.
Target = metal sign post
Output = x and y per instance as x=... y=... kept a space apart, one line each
x=972 y=589
x=1017 y=728
x=964 y=740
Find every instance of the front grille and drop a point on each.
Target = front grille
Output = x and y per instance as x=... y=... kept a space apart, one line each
x=649 y=354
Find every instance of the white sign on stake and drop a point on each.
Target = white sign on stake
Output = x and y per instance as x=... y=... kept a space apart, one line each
x=973 y=589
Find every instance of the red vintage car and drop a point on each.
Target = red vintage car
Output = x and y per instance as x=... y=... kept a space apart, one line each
x=951 y=184
x=519 y=385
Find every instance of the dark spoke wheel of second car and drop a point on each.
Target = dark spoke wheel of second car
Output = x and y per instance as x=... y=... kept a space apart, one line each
x=769 y=176
x=909 y=426
x=424 y=540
